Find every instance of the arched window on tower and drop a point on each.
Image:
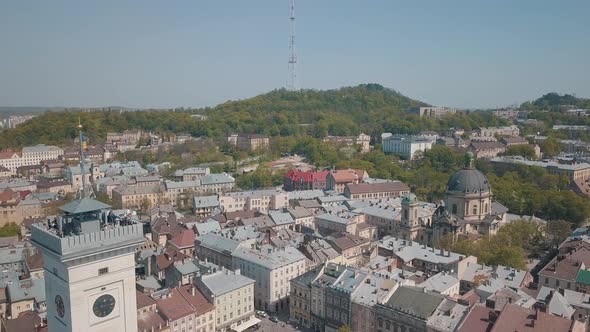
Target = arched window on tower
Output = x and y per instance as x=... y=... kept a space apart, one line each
x=406 y=214
x=475 y=209
x=486 y=208
x=454 y=208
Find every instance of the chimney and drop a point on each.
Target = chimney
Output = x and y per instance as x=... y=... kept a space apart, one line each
x=193 y=290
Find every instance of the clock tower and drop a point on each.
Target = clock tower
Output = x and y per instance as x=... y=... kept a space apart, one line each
x=89 y=268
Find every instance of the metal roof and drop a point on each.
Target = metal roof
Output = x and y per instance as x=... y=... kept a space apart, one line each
x=84 y=205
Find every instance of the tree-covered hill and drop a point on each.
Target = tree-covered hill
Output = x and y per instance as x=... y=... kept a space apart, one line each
x=555 y=102
x=368 y=108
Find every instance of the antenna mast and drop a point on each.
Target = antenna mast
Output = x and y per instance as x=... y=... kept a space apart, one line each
x=292 y=80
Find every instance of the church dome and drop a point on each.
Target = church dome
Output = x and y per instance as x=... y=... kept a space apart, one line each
x=469 y=179
x=409 y=199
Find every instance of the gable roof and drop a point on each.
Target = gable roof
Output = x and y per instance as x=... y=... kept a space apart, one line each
x=347 y=175
x=185 y=239
x=363 y=188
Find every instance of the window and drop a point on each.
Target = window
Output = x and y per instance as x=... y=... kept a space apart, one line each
x=103 y=271
x=474 y=209
x=454 y=208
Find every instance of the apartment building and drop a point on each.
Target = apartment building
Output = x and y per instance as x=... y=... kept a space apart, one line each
x=499 y=131
x=433 y=111
x=272 y=269
x=249 y=142
x=406 y=146
x=391 y=189
x=337 y=180
x=142 y=197
x=30 y=155
x=261 y=200
x=233 y=296
x=299 y=180
x=185 y=309
x=361 y=140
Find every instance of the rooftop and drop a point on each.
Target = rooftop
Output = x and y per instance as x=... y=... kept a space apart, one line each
x=515 y=318
x=280 y=218
x=363 y=188
x=349 y=280
x=212 y=179
x=200 y=202
x=171 y=304
x=26 y=290
x=269 y=257
x=83 y=205
x=222 y=282
x=415 y=301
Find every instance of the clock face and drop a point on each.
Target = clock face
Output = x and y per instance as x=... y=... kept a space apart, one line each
x=104 y=305
x=59 y=306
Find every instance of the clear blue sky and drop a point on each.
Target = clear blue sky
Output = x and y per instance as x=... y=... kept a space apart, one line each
x=462 y=53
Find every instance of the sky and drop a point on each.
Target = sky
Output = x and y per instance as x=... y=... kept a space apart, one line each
x=194 y=53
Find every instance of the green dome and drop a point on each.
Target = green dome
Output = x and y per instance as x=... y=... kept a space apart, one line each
x=409 y=198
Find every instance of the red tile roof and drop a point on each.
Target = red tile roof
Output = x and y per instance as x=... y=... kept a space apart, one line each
x=184 y=239
x=516 y=318
x=7 y=154
x=27 y=321
x=478 y=319
x=565 y=266
x=198 y=300
x=348 y=175
x=174 y=306
x=296 y=175
x=143 y=300
x=151 y=319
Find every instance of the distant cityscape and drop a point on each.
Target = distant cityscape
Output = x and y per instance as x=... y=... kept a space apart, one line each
x=101 y=237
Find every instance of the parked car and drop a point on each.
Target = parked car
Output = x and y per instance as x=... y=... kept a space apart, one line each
x=261 y=313
x=274 y=319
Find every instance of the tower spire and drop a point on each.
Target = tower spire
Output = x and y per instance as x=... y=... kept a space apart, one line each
x=292 y=80
x=82 y=169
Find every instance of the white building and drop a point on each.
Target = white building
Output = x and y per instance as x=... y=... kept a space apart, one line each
x=90 y=273
x=30 y=155
x=262 y=200
x=273 y=270
x=406 y=146
x=233 y=296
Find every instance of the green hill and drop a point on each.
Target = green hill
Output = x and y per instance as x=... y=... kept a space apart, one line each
x=555 y=102
x=369 y=108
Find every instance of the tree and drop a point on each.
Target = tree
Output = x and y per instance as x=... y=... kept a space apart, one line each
x=344 y=328
x=103 y=197
x=523 y=150
x=557 y=232
x=145 y=205
x=10 y=229
x=550 y=147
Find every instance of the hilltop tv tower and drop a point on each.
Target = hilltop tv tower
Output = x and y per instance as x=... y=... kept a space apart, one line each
x=292 y=80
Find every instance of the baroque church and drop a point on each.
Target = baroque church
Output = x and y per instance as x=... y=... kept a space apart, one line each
x=469 y=209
